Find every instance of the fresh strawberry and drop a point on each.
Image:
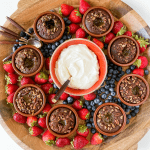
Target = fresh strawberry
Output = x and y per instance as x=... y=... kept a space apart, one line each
x=10 y=98
x=90 y=96
x=47 y=61
x=11 y=78
x=26 y=80
x=80 y=33
x=79 y=142
x=19 y=118
x=65 y=9
x=75 y=16
x=142 y=43
x=32 y=121
x=96 y=139
x=50 y=79
x=83 y=130
x=84 y=114
x=8 y=67
x=47 y=88
x=48 y=138
x=64 y=96
x=108 y=37
x=138 y=71
x=73 y=28
x=10 y=88
x=35 y=131
x=51 y=99
x=141 y=62
x=41 y=78
x=128 y=33
x=75 y=97
x=46 y=109
x=61 y=142
x=77 y=104
x=98 y=42
x=84 y=6
x=42 y=122
x=119 y=28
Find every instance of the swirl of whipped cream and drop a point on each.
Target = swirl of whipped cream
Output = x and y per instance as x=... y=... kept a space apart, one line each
x=79 y=62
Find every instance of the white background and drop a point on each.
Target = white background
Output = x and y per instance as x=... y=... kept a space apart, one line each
x=7 y=7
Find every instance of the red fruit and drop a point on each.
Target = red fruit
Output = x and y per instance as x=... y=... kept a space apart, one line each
x=75 y=16
x=66 y=9
x=84 y=114
x=119 y=28
x=73 y=28
x=80 y=33
x=79 y=142
x=141 y=62
x=47 y=61
x=75 y=97
x=77 y=104
x=19 y=118
x=98 y=42
x=8 y=67
x=10 y=88
x=50 y=79
x=64 y=96
x=96 y=139
x=109 y=37
x=138 y=71
x=61 y=142
x=11 y=78
x=35 y=131
x=26 y=80
x=51 y=99
x=84 y=6
x=48 y=138
x=42 y=122
x=32 y=121
x=128 y=33
x=41 y=78
x=90 y=96
x=47 y=88
x=83 y=130
x=10 y=98
x=46 y=109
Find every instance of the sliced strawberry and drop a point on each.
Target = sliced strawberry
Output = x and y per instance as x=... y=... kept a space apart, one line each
x=47 y=88
x=65 y=9
x=98 y=42
x=8 y=67
x=84 y=6
x=96 y=139
x=35 y=131
x=83 y=130
x=32 y=121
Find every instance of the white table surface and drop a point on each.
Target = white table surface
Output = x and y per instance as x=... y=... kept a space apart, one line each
x=7 y=7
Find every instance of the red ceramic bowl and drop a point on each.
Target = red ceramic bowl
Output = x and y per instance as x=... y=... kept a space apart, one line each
x=101 y=59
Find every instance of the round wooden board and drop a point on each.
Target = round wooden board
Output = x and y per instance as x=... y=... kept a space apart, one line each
x=25 y=15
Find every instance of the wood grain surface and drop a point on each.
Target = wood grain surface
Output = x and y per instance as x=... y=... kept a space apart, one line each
x=27 y=11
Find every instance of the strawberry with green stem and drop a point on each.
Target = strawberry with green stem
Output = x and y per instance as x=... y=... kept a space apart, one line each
x=65 y=9
x=75 y=16
x=82 y=130
x=47 y=88
x=35 y=131
x=141 y=62
x=32 y=121
x=8 y=67
x=96 y=139
x=41 y=78
x=84 y=114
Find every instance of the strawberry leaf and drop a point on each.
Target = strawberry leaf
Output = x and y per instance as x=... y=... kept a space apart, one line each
x=122 y=31
x=20 y=78
x=50 y=142
x=50 y=90
x=6 y=88
x=87 y=116
x=81 y=103
x=137 y=63
x=78 y=13
x=7 y=62
x=104 y=37
x=100 y=136
x=31 y=131
x=89 y=37
x=72 y=143
x=82 y=128
x=7 y=79
x=43 y=76
x=60 y=11
x=33 y=123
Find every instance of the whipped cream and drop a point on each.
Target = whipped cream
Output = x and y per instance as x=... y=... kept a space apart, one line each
x=79 y=62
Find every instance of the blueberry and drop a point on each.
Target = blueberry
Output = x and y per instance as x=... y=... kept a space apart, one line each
x=106 y=86
x=112 y=81
x=61 y=41
x=115 y=67
x=106 y=78
x=103 y=96
x=93 y=131
x=57 y=44
x=69 y=36
x=136 y=110
x=21 y=44
x=127 y=110
x=122 y=72
x=137 y=106
x=112 y=85
x=107 y=92
x=129 y=116
x=132 y=108
x=115 y=100
x=65 y=19
x=111 y=89
x=87 y=103
x=107 y=101
x=119 y=100
x=65 y=102
x=66 y=32
x=113 y=93
x=117 y=79
x=105 y=46
x=69 y=100
x=64 y=37
x=97 y=96
x=107 y=81
x=110 y=97
x=44 y=54
x=45 y=46
x=22 y=34
x=96 y=100
x=68 y=22
x=102 y=89
x=102 y=84
x=49 y=46
x=104 y=136
x=119 y=68
x=111 y=64
x=146 y=72
x=91 y=119
x=93 y=125
x=14 y=48
x=92 y=103
x=114 y=76
x=26 y=37
x=89 y=125
x=89 y=107
x=127 y=121
x=115 y=71
x=92 y=113
x=17 y=40
x=132 y=67
x=128 y=71
x=93 y=108
x=123 y=106
x=50 y=51
x=133 y=114
x=100 y=103
x=30 y=30
x=109 y=74
x=84 y=106
x=111 y=101
x=46 y=50
x=99 y=91
x=119 y=104
x=53 y=46
x=111 y=70
x=119 y=75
